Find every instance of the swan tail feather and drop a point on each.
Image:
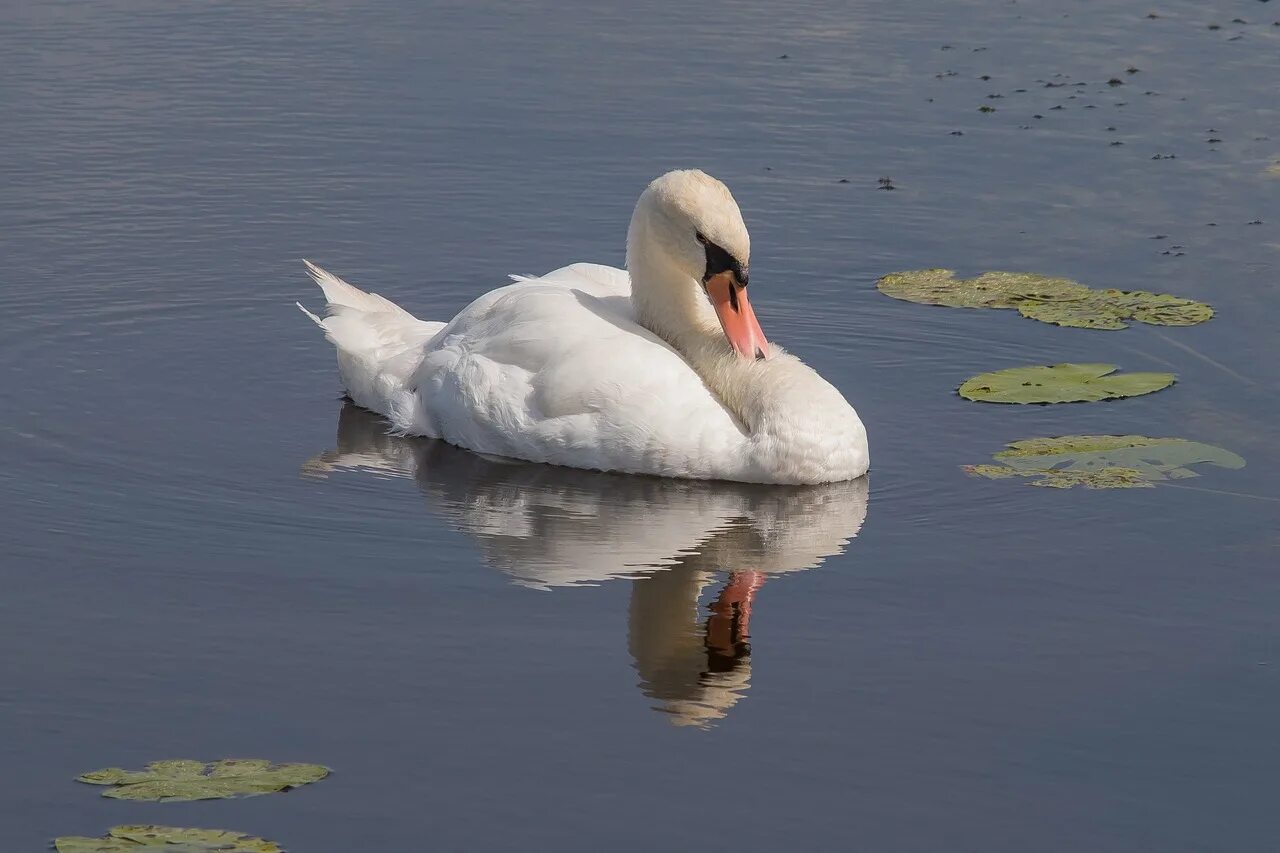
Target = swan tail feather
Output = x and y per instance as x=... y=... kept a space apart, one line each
x=313 y=317
x=339 y=292
x=380 y=346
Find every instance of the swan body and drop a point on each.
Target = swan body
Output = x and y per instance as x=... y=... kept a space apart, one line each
x=661 y=369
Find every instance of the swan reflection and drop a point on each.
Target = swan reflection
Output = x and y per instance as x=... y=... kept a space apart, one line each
x=550 y=527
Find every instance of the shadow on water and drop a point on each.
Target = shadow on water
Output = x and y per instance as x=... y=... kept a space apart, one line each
x=549 y=527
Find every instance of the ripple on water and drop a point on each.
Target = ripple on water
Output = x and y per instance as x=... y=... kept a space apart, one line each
x=113 y=442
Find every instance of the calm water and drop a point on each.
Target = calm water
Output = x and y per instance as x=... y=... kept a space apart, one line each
x=205 y=554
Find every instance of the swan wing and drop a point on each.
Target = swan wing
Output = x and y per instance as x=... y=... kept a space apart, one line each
x=556 y=369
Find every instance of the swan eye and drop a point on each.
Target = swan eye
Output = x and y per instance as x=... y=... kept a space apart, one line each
x=701 y=238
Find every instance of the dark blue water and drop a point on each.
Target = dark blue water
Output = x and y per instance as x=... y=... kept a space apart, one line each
x=507 y=657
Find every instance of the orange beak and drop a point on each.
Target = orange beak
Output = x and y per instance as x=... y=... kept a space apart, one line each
x=729 y=298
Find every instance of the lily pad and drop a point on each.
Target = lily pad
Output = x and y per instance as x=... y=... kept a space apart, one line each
x=1061 y=383
x=1108 y=309
x=1103 y=461
x=170 y=839
x=1161 y=309
x=1082 y=314
x=179 y=780
x=989 y=290
x=1060 y=301
x=1105 y=478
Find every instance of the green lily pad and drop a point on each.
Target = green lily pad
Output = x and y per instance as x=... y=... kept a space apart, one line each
x=172 y=781
x=170 y=839
x=1104 y=478
x=1103 y=461
x=1061 y=383
x=1060 y=301
x=1108 y=309
x=1084 y=313
x=989 y=290
x=1160 y=309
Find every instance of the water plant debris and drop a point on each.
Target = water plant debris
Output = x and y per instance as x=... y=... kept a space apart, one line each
x=182 y=780
x=1048 y=299
x=1103 y=461
x=172 y=839
x=1061 y=383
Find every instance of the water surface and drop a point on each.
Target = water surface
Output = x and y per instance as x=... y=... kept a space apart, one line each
x=206 y=554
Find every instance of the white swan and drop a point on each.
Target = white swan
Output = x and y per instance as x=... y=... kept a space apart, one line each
x=665 y=372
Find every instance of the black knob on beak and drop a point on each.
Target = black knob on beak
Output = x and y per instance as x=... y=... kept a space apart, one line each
x=719 y=261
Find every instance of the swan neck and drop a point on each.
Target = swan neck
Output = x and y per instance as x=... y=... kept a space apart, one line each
x=670 y=303
x=667 y=299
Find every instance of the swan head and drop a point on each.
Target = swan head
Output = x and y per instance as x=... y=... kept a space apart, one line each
x=688 y=252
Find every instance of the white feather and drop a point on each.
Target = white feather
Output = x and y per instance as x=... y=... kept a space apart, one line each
x=567 y=367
